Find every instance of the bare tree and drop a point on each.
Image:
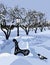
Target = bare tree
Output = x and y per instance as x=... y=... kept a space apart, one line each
x=16 y=14
x=4 y=18
x=41 y=20
x=30 y=21
x=7 y=30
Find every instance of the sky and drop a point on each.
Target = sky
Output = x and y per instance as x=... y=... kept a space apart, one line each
x=38 y=5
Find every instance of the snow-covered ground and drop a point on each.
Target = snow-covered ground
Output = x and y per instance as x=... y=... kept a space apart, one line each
x=36 y=43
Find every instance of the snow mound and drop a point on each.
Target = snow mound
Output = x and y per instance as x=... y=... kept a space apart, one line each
x=9 y=59
x=4 y=54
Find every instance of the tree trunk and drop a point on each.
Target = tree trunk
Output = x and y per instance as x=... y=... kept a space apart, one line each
x=7 y=37
x=17 y=30
x=41 y=29
x=36 y=30
x=7 y=34
x=27 y=31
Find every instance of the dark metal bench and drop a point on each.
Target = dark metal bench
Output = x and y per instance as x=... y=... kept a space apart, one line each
x=18 y=50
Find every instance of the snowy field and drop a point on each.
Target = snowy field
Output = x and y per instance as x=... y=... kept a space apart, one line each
x=36 y=43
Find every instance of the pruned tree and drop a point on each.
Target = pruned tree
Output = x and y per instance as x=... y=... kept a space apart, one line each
x=30 y=21
x=41 y=20
x=4 y=18
x=7 y=30
x=16 y=14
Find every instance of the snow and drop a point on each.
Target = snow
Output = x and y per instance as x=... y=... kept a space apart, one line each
x=7 y=59
x=44 y=32
x=4 y=54
x=36 y=42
